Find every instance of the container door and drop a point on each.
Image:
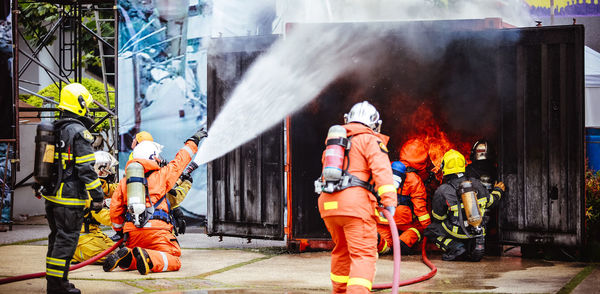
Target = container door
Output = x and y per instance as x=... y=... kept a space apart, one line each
x=246 y=195
x=541 y=89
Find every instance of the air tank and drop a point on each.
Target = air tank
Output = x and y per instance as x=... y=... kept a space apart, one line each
x=469 y=200
x=44 y=169
x=333 y=162
x=136 y=192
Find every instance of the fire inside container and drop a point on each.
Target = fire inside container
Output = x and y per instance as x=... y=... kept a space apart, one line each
x=447 y=83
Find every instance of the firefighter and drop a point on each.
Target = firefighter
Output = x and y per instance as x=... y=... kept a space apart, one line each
x=140 y=137
x=92 y=241
x=150 y=243
x=349 y=211
x=77 y=181
x=411 y=215
x=483 y=167
x=458 y=208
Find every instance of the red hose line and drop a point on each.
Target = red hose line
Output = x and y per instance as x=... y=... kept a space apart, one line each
x=415 y=280
x=77 y=266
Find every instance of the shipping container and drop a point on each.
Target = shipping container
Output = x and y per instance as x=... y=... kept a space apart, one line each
x=449 y=82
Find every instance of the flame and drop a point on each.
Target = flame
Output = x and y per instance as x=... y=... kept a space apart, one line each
x=425 y=125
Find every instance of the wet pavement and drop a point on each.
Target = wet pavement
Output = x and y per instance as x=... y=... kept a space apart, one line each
x=235 y=266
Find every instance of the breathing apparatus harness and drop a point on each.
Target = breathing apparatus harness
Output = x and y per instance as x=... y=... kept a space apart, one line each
x=336 y=149
x=466 y=197
x=150 y=212
x=48 y=170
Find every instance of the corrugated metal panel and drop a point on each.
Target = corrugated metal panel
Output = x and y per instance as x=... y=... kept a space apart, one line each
x=541 y=91
x=246 y=196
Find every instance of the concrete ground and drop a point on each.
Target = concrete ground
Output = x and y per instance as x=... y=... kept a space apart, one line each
x=235 y=266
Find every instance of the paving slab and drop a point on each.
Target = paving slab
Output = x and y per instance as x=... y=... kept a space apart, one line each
x=25 y=259
x=591 y=284
x=493 y=274
x=86 y=286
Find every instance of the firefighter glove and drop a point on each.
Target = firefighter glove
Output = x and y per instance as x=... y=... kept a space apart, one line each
x=179 y=220
x=186 y=177
x=500 y=185
x=96 y=206
x=391 y=209
x=199 y=135
x=117 y=236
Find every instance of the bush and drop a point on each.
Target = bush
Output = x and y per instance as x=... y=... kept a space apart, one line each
x=592 y=212
x=95 y=87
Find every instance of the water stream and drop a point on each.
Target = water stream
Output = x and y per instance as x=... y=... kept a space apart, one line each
x=284 y=79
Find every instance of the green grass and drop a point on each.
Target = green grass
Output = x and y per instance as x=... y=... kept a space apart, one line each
x=568 y=288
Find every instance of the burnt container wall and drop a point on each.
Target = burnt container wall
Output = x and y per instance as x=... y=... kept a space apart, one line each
x=245 y=187
x=541 y=150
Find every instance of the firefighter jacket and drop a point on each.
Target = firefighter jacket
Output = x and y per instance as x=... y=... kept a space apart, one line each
x=368 y=160
x=483 y=170
x=160 y=181
x=178 y=193
x=412 y=202
x=445 y=209
x=75 y=154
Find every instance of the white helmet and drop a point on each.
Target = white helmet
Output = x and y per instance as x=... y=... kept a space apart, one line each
x=364 y=113
x=147 y=150
x=105 y=164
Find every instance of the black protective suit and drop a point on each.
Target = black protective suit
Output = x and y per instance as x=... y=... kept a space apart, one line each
x=446 y=230
x=65 y=202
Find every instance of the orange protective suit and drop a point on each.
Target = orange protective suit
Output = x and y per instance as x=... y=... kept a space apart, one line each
x=350 y=214
x=412 y=216
x=156 y=237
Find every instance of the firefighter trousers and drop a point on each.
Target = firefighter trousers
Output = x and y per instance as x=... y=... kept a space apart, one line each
x=409 y=234
x=65 y=224
x=161 y=245
x=355 y=253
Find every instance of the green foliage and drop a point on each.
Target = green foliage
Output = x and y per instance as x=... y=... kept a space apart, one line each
x=95 y=87
x=36 y=19
x=592 y=202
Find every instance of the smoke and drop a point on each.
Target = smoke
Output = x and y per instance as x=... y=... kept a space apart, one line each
x=514 y=12
x=295 y=70
x=278 y=83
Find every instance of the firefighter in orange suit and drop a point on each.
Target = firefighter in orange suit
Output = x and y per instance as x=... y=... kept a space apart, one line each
x=152 y=247
x=349 y=211
x=411 y=215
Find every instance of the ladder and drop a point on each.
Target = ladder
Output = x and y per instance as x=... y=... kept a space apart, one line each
x=107 y=47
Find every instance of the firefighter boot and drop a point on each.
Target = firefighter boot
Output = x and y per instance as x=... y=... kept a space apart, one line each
x=405 y=249
x=454 y=250
x=478 y=249
x=121 y=258
x=57 y=285
x=142 y=259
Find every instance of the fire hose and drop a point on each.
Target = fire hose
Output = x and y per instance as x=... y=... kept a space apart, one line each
x=396 y=251
x=77 y=266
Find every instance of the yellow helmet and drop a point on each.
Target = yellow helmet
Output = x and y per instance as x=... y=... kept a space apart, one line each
x=75 y=98
x=453 y=162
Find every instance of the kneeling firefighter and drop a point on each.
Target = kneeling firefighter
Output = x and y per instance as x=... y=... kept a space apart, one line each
x=458 y=208
x=355 y=154
x=141 y=209
x=411 y=214
x=64 y=168
x=92 y=241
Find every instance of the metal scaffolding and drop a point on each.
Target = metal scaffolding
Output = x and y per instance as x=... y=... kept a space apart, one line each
x=65 y=64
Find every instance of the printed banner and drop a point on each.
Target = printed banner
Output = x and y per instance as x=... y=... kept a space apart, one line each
x=162 y=79
x=564 y=7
